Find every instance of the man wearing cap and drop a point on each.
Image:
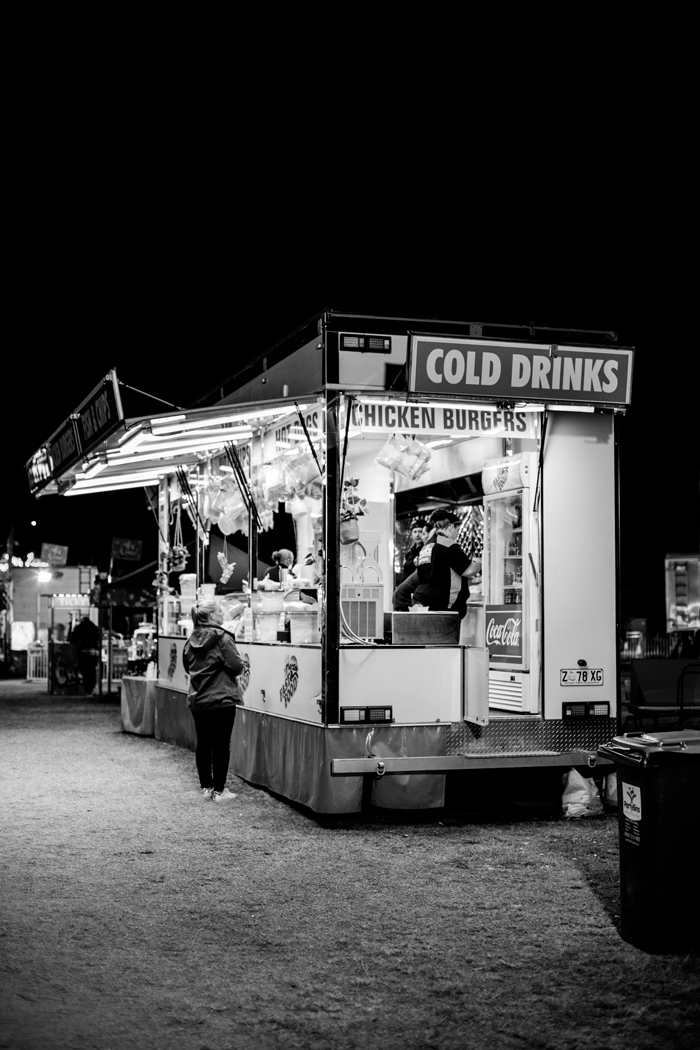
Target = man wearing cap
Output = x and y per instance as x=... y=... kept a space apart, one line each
x=418 y=536
x=442 y=569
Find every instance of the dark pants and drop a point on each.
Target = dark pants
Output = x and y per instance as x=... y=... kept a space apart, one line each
x=213 y=750
x=87 y=664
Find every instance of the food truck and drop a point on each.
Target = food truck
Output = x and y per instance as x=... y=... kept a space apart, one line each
x=340 y=436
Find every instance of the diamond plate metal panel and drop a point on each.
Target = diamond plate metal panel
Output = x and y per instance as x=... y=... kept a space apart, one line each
x=510 y=736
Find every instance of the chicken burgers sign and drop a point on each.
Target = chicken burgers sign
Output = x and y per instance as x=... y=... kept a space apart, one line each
x=480 y=369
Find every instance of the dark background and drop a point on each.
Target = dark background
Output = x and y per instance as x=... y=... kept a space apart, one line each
x=171 y=230
x=174 y=325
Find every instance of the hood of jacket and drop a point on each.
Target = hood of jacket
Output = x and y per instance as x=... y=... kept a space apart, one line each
x=204 y=638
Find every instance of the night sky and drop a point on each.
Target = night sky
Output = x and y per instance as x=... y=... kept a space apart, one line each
x=176 y=338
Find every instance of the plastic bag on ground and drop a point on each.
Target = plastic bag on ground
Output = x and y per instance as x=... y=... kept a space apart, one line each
x=580 y=797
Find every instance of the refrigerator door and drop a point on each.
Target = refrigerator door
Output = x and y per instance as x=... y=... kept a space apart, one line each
x=506 y=539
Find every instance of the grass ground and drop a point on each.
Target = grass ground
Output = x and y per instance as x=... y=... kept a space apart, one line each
x=136 y=915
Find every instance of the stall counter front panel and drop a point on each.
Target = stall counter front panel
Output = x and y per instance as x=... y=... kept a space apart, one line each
x=282 y=679
x=421 y=685
x=171 y=672
x=173 y=721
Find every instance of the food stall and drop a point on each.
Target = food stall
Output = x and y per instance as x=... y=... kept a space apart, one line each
x=347 y=430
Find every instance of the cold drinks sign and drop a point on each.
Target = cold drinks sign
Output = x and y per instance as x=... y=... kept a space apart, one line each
x=520 y=372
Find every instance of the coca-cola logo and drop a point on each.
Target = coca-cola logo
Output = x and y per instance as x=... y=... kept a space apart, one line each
x=506 y=633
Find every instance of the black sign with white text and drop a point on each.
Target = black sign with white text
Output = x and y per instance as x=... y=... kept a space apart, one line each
x=99 y=415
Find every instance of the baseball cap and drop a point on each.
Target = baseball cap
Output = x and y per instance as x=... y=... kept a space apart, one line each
x=442 y=514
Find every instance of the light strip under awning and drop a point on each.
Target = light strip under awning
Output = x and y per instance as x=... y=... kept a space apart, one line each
x=150 y=447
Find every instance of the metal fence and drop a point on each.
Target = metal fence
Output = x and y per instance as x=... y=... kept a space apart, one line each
x=638 y=646
x=37 y=663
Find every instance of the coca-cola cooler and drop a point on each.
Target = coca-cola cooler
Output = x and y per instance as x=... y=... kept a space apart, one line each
x=509 y=582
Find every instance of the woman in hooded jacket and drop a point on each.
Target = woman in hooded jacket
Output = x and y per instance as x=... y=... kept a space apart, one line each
x=213 y=663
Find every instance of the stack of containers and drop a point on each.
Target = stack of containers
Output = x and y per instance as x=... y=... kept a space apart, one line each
x=188 y=592
x=270 y=605
x=303 y=622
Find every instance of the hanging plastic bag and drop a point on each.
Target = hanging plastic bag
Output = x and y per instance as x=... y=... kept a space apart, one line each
x=215 y=496
x=234 y=513
x=212 y=504
x=296 y=507
x=391 y=453
x=302 y=471
x=405 y=455
x=267 y=520
x=276 y=485
x=580 y=797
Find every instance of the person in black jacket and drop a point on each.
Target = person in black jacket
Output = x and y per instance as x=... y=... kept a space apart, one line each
x=419 y=532
x=85 y=636
x=213 y=662
x=442 y=570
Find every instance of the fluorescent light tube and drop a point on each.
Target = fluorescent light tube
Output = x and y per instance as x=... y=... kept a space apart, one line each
x=132 y=441
x=165 y=426
x=78 y=490
x=91 y=469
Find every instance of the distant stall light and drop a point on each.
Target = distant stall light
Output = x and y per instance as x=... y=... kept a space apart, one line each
x=44 y=576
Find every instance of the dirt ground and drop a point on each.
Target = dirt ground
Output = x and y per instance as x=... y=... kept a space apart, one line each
x=136 y=915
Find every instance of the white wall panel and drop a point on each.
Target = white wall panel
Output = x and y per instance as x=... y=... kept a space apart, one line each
x=579 y=556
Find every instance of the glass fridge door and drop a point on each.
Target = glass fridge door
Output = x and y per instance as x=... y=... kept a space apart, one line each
x=504 y=526
x=505 y=596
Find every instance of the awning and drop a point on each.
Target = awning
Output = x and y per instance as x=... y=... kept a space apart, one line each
x=146 y=448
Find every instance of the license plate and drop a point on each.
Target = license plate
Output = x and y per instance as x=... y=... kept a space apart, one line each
x=581 y=676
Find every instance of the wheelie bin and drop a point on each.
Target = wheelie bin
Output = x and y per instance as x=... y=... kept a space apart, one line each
x=658 y=793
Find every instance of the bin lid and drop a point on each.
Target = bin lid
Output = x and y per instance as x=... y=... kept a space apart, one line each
x=654 y=748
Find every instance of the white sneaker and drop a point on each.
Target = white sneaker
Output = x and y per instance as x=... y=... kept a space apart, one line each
x=222 y=796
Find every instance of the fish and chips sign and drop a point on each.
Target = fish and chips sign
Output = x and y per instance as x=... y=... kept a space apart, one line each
x=98 y=416
x=474 y=369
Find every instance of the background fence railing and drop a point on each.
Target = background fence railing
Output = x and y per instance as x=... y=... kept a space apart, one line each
x=638 y=646
x=37 y=663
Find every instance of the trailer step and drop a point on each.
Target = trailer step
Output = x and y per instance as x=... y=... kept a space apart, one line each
x=378 y=767
x=505 y=754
